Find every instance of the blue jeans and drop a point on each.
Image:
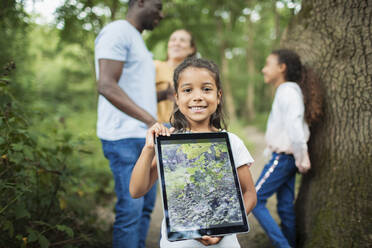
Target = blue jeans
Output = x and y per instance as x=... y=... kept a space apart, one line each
x=132 y=215
x=278 y=176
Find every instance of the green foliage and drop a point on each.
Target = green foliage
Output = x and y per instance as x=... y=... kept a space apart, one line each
x=42 y=194
x=235 y=30
x=12 y=29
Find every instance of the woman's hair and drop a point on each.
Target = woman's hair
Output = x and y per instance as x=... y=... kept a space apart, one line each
x=131 y=2
x=192 y=43
x=178 y=120
x=306 y=79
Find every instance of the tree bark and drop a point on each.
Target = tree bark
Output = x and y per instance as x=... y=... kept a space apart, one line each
x=250 y=112
x=249 y=109
x=276 y=21
x=113 y=8
x=229 y=105
x=334 y=205
x=229 y=101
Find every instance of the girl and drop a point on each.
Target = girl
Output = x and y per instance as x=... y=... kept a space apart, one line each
x=198 y=109
x=296 y=105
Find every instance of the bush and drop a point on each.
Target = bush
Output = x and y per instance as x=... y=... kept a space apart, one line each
x=43 y=198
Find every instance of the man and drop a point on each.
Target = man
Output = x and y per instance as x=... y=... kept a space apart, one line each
x=126 y=108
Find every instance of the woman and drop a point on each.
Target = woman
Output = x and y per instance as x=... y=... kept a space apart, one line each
x=297 y=104
x=180 y=46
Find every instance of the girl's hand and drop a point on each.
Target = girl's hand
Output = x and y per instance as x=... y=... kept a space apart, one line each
x=209 y=240
x=304 y=165
x=154 y=131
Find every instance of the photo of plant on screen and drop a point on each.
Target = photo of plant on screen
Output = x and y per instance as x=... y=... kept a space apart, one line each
x=200 y=186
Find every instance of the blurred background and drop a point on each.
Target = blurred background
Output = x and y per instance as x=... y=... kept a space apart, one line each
x=60 y=190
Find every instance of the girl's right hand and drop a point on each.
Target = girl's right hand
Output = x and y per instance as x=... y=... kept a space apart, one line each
x=304 y=164
x=154 y=131
x=210 y=240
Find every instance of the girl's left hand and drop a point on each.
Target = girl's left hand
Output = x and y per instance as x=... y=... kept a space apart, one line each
x=209 y=240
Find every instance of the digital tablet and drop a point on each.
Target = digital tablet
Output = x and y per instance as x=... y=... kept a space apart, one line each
x=199 y=186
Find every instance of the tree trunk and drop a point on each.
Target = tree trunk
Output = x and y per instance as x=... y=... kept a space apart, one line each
x=229 y=101
x=113 y=8
x=334 y=205
x=276 y=21
x=249 y=112
x=229 y=105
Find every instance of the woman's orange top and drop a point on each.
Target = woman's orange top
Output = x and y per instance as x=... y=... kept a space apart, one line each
x=164 y=78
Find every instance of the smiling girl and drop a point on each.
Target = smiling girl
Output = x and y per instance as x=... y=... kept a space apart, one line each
x=198 y=109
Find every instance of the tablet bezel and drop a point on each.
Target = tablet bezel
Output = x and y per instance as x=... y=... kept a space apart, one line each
x=218 y=231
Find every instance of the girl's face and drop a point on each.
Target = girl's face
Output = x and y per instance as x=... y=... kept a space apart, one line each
x=273 y=72
x=197 y=96
x=179 y=45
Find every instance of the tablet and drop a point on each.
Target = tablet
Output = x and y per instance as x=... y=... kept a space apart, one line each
x=199 y=186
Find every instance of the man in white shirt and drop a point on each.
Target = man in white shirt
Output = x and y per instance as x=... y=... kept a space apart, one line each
x=126 y=108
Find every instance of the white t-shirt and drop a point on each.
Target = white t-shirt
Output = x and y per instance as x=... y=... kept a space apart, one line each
x=287 y=130
x=121 y=41
x=241 y=157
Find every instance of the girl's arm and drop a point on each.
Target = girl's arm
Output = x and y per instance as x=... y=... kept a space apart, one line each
x=293 y=110
x=248 y=189
x=144 y=172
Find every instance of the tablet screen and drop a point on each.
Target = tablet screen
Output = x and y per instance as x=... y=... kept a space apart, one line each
x=200 y=188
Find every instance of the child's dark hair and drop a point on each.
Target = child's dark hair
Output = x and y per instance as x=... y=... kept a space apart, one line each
x=178 y=120
x=306 y=79
x=131 y=3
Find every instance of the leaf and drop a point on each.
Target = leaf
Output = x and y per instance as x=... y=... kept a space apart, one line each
x=43 y=241
x=2 y=140
x=28 y=153
x=17 y=147
x=62 y=203
x=9 y=226
x=21 y=211
x=32 y=235
x=11 y=120
x=42 y=223
x=66 y=229
x=16 y=158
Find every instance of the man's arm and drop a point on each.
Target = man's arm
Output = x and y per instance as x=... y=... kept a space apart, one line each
x=109 y=75
x=167 y=94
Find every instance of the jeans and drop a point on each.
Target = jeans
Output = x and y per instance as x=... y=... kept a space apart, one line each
x=132 y=215
x=278 y=176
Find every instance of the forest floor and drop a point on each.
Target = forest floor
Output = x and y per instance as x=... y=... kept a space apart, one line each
x=256 y=237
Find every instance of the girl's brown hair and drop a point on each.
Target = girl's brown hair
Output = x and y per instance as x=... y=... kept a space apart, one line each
x=306 y=79
x=178 y=120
